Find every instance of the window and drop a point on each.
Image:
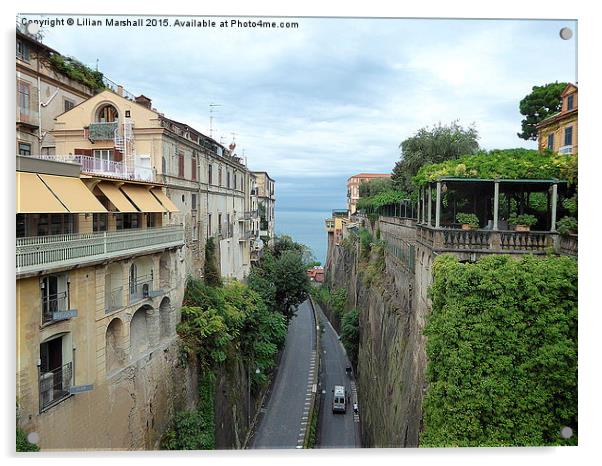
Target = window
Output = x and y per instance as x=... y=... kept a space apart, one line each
x=210 y=180
x=106 y=114
x=150 y=220
x=193 y=202
x=219 y=176
x=570 y=102
x=219 y=223
x=69 y=104
x=21 y=226
x=568 y=136
x=181 y=164
x=24 y=148
x=99 y=222
x=126 y=221
x=209 y=226
x=56 y=370
x=227 y=178
x=54 y=290
x=24 y=96
x=193 y=167
x=550 y=141
x=234 y=180
x=22 y=51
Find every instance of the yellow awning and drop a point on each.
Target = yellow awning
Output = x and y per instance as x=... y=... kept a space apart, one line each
x=163 y=199
x=116 y=197
x=142 y=198
x=33 y=196
x=73 y=193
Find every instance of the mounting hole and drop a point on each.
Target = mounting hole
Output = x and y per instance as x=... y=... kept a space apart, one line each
x=566 y=33
x=33 y=437
x=566 y=432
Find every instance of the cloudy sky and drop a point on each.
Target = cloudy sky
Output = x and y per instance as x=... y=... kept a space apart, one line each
x=315 y=104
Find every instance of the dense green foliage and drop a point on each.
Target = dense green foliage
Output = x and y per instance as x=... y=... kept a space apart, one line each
x=502 y=352
x=23 y=445
x=211 y=268
x=194 y=430
x=280 y=277
x=382 y=199
x=350 y=334
x=432 y=145
x=542 y=102
x=504 y=164
x=375 y=186
x=77 y=71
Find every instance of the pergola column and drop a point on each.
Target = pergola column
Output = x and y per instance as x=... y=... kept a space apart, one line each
x=496 y=203
x=430 y=206
x=438 y=206
x=554 y=203
x=418 y=206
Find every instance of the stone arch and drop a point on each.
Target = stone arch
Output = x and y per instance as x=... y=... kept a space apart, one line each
x=140 y=278
x=165 y=318
x=106 y=112
x=140 y=331
x=114 y=345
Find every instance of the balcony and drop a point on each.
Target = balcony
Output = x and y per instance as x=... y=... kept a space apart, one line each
x=143 y=288
x=251 y=214
x=54 y=385
x=114 y=299
x=55 y=308
x=102 y=131
x=42 y=253
x=28 y=116
x=329 y=225
x=95 y=166
x=246 y=235
x=484 y=241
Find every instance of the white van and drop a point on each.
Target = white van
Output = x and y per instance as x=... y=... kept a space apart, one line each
x=338 y=401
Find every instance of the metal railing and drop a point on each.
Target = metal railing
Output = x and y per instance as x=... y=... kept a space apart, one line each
x=114 y=299
x=45 y=252
x=51 y=304
x=141 y=289
x=54 y=385
x=96 y=166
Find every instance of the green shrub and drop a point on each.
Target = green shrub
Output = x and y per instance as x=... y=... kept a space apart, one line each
x=570 y=204
x=468 y=219
x=23 y=444
x=523 y=219
x=502 y=352
x=350 y=334
x=566 y=225
x=211 y=269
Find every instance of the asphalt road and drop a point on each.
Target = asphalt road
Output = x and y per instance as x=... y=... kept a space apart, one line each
x=284 y=422
x=335 y=430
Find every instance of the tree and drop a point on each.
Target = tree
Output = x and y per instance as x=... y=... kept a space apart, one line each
x=432 y=145
x=375 y=186
x=211 y=270
x=542 y=102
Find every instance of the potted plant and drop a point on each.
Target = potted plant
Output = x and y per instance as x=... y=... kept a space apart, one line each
x=468 y=221
x=523 y=222
x=567 y=226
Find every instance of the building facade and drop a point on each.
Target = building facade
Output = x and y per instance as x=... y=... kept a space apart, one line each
x=266 y=197
x=98 y=287
x=353 y=188
x=558 y=132
x=43 y=92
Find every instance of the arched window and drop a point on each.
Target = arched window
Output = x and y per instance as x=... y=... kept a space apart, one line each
x=165 y=321
x=106 y=114
x=114 y=353
x=139 y=338
x=133 y=279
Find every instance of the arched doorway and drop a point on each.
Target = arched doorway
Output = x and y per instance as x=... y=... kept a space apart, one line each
x=139 y=331
x=165 y=318
x=114 y=342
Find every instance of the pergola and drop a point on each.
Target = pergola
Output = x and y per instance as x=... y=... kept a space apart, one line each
x=482 y=192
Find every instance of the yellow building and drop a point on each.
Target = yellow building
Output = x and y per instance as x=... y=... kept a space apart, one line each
x=98 y=286
x=558 y=132
x=126 y=138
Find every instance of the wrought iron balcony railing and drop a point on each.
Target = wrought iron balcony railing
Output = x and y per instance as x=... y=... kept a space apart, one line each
x=142 y=288
x=38 y=253
x=54 y=385
x=55 y=308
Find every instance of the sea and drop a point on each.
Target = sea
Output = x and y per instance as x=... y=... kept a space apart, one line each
x=305 y=226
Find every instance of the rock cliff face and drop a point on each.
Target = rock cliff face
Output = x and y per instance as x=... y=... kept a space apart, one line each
x=392 y=358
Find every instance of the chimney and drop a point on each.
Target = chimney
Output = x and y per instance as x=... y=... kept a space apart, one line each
x=120 y=90
x=144 y=101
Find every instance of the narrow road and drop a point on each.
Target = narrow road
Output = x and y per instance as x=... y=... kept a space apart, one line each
x=335 y=430
x=284 y=422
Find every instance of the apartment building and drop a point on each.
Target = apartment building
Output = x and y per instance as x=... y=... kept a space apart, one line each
x=558 y=132
x=353 y=188
x=266 y=201
x=43 y=92
x=98 y=288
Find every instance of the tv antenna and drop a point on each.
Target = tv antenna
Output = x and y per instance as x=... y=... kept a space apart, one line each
x=211 y=110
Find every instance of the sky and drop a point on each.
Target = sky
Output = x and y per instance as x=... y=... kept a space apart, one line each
x=316 y=104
